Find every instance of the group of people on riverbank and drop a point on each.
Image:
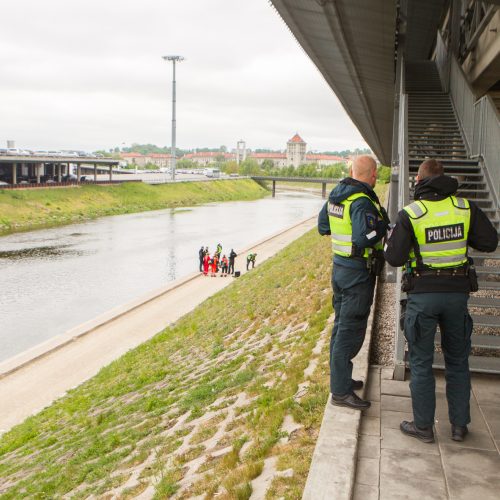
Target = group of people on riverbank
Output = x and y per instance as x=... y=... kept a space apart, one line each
x=212 y=264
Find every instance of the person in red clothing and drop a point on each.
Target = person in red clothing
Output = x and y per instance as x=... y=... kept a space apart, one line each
x=206 y=260
x=214 y=265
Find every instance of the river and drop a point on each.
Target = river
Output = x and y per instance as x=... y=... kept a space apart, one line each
x=55 y=279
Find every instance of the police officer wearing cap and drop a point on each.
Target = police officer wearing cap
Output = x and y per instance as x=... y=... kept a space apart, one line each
x=357 y=223
x=431 y=238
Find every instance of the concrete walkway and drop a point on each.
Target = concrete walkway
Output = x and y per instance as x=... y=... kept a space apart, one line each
x=364 y=456
x=391 y=465
x=34 y=379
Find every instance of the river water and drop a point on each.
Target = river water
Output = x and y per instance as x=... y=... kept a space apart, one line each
x=55 y=279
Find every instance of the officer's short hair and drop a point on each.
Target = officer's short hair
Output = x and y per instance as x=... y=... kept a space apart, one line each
x=430 y=168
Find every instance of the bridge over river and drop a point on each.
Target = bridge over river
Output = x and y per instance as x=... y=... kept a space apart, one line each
x=313 y=180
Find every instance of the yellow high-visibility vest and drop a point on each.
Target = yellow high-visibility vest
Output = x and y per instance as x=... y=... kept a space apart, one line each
x=339 y=216
x=441 y=229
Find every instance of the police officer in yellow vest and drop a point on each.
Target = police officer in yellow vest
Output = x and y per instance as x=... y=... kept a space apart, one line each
x=431 y=238
x=357 y=223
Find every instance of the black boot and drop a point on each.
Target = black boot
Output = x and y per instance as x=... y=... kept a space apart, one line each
x=458 y=432
x=351 y=401
x=410 y=429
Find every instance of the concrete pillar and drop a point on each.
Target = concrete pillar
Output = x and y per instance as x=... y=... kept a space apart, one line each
x=323 y=190
x=110 y=173
x=95 y=172
x=78 y=171
x=14 y=173
x=58 y=168
x=38 y=165
x=274 y=189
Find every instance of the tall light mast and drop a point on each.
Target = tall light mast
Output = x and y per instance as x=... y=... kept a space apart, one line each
x=174 y=59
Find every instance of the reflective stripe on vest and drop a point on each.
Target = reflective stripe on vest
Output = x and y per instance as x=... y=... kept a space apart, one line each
x=339 y=216
x=441 y=229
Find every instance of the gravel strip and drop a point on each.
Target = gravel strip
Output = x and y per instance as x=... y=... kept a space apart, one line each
x=382 y=348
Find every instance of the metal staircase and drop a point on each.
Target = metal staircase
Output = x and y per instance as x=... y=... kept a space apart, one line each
x=434 y=132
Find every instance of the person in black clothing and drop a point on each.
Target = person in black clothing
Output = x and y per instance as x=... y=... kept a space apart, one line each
x=431 y=237
x=232 y=256
x=201 y=254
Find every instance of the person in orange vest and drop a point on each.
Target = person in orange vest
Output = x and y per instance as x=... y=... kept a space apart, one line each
x=206 y=261
x=224 y=266
x=214 y=265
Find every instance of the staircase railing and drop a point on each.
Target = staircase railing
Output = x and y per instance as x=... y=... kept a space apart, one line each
x=479 y=119
x=486 y=141
x=403 y=198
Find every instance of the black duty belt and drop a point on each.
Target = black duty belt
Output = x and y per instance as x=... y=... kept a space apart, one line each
x=460 y=271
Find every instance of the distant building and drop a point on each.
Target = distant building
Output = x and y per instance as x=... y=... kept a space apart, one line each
x=279 y=159
x=206 y=158
x=296 y=151
x=135 y=159
x=324 y=160
x=160 y=160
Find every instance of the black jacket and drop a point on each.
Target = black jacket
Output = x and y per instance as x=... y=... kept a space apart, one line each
x=482 y=236
x=365 y=219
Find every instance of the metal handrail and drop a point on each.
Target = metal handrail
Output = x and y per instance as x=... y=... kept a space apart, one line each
x=403 y=199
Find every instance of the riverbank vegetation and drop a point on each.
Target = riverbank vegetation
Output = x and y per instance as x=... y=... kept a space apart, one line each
x=22 y=210
x=230 y=395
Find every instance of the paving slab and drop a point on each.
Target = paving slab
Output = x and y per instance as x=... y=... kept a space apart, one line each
x=370 y=426
x=395 y=388
x=411 y=463
x=394 y=439
x=486 y=388
x=373 y=393
x=471 y=474
x=373 y=411
x=365 y=492
x=392 y=419
x=373 y=385
x=368 y=470
x=395 y=403
x=369 y=446
x=386 y=373
x=395 y=487
x=492 y=415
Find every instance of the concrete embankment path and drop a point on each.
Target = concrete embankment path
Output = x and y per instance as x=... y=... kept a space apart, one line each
x=34 y=379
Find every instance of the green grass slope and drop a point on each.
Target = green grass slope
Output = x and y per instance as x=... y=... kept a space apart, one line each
x=22 y=210
x=200 y=407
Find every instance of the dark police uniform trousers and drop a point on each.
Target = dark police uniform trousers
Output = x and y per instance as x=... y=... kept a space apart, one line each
x=424 y=311
x=352 y=299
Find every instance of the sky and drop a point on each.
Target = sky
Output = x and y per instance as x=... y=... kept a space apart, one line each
x=89 y=74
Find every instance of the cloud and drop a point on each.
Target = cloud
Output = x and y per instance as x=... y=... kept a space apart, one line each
x=89 y=74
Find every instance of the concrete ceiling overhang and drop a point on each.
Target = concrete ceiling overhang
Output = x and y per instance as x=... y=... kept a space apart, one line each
x=352 y=44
